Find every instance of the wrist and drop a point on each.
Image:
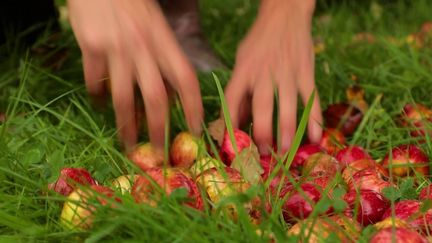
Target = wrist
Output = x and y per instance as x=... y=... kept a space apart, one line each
x=302 y=8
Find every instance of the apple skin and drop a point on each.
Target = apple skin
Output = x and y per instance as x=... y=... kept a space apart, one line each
x=304 y=152
x=145 y=191
x=365 y=164
x=184 y=150
x=368 y=179
x=416 y=115
x=407 y=160
x=409 y=210
x=124 y=183
x=370 y=205
x=344 y=117
x=146 y=156
x=78 y=211
x=204 y=164
x=227 y=151
x=397 y=235
x=69 y=180
x=332 y=141
x=320 y=164
x=351 y=154
x=426 y=193
x=392 y=222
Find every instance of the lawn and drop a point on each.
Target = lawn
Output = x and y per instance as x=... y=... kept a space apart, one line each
x=51 y=123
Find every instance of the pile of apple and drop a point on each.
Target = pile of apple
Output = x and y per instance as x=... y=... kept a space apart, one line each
x=314 y=174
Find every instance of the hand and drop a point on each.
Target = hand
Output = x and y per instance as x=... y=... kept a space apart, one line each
x=131 y=40
x=277 y=54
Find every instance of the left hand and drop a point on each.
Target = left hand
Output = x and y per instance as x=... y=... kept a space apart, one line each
x=277 y=54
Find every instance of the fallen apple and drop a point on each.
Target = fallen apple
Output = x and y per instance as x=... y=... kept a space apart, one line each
x=146 y=156
x=418 y=116
x=410 y=211
x=320 y=164
x=407 y=160
x=69 y=180
x=124 y=183
x=344 y=117
x=332 y=141
x=149 y=188
x=368 y=179
x=391 y=222
x=227 y=151
x=78 y=211
x=365 y=164
x=204 y=164
x=351 y=154
x=184 y=150
x=426 y=193
x=397 y=235
x=304 y=152
x=366 y=205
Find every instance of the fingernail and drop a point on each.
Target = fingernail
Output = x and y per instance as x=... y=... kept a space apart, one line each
x=316 y=133
x=285 y=145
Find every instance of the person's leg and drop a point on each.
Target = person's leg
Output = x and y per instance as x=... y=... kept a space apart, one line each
x=183 y=17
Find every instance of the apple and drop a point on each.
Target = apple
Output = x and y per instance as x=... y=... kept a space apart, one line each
x=391 y=222
x=368 y=206
x=227 y=151
x=78 y=211
x=124 y=183
x=332 y=140
x=146 y=156
x=409 y=210
x=2 y=117
x=147 y=188
x=351 y=154
x=304 y=152
x=397 y=235
x=69 y=180
x=426 y=193
x=416 y=115
x=320 y=164
x=184 y=150
x=344 y=117
x=359 y=165
x=407 y=160
x=204 y=164
x=368 y=179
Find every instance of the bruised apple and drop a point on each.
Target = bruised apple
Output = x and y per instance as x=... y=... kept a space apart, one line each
x=227 y=151
x=204 y=164
x=407 y=160
x=344 y=117
x=351 y=154
x=332 y=141
x=320 y=164
x=391 y=222
x=124 y=183
x=69 y=180
x=78 y=211
x=368 y=179
x=397 y=235
x=146 y=156
x=410 y=211
x=360 y=165
x=184 y=150
x=417 y=116
x=148 y=188
x=366 y=205
x=303 y=153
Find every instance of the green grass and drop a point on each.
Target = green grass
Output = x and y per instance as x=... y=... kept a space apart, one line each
x=51 y=123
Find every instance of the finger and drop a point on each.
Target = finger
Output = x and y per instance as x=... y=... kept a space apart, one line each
x=262 y=114
x=123 y=99
x=154 y=96
x=306 y=85
x=95 y=73
x=287 y=94
x=235 y=95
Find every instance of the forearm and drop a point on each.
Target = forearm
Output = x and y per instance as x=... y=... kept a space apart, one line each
x=303 y=9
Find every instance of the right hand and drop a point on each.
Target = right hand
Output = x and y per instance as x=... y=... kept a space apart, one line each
x=130 y=40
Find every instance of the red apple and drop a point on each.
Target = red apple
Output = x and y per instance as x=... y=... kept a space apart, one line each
x=368 y=206
x=391 y=222
x=426 y=193
x=397 y=235
x=368 y=179
x=419 y=116
x=409 y=210
x=320 y=164
x=78 y=211
x=147 y=187
x=146 y=156
x=407 y=160
x=184 y=150
x=227 y=151
x=359 y=165
x=351 y=154
x=304 y=152
x=69 y=180
x=344 y=117
x=332 y=140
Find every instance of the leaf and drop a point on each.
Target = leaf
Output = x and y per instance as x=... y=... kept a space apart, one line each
x=339 y=205
x=247 y=162
x=55 y=161
x=407 y=189
x=392 y=193
x=323 y=205
x=217 y=129
x=355 y=96
x=31 y=157
x=338 y=192
x=426 y=205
